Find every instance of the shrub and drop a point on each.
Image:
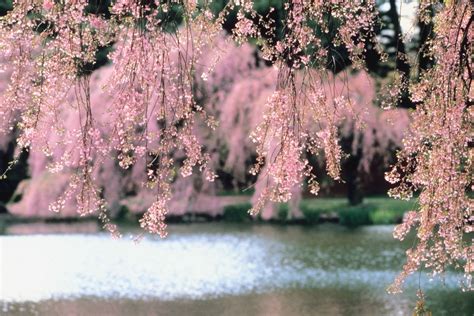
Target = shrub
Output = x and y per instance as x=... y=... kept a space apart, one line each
x=311 y=213
x=381 y=217
x=237 y=212
x=353 y=216
x=282 y=212
x=313 y=209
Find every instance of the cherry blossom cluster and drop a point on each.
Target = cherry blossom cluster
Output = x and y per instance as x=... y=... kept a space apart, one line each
x=300 y=121
x=152 y=88
x=287 y=135
x=52 y=49
x=437 y=156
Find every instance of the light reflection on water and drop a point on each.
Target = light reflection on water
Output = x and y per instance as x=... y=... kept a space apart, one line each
x=178 y=267
x=207 y=262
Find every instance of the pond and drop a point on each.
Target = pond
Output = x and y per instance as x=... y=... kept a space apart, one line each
x=213 y=269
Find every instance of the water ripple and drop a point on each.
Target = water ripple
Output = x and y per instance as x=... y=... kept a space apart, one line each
x=42 y=267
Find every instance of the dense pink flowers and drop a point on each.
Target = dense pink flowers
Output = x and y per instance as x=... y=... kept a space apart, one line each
x=437 y=157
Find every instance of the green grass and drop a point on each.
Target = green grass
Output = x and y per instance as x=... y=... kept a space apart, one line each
x=313 y=209
x=374 y=210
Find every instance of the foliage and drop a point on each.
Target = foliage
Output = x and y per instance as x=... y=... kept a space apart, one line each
x=237 y=212
x=375 y=210
x=356 y=215
x=283 y=210
x=381 y=217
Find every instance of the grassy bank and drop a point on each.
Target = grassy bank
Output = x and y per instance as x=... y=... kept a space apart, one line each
x=374 y=210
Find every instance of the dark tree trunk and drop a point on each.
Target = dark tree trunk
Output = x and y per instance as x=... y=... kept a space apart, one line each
x=355 y=193
x=14 y=176
x=402 y=65
x=350 y=172
x=426 y=33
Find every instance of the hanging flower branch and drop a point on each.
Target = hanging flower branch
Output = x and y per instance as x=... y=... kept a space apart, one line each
x=437 y=158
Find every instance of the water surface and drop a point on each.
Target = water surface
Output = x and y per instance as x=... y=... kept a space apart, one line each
x=213 y=269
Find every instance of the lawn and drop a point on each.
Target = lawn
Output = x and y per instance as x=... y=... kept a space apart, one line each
x=374 y=210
